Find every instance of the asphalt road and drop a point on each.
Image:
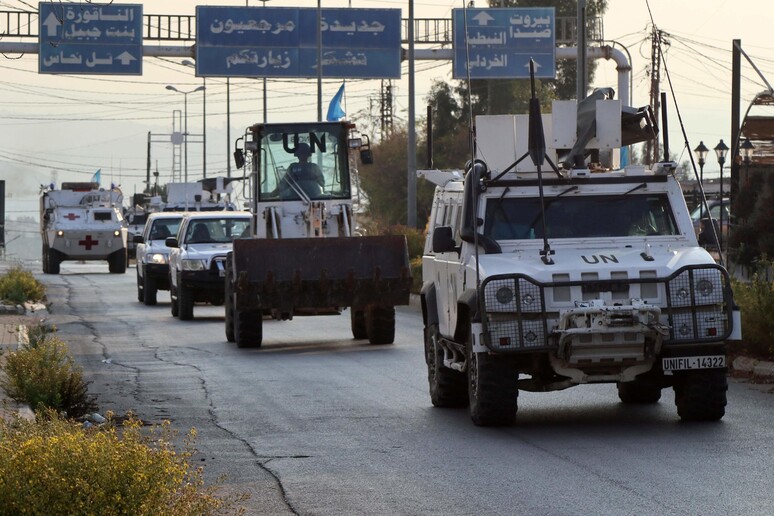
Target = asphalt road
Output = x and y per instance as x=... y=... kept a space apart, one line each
x=317 y=423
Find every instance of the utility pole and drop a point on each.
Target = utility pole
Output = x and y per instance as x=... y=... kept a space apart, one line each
x=652 y=146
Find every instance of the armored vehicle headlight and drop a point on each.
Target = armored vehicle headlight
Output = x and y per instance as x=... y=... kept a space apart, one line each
x=193 y=265
x=683 y=293
x=527 y=299
x=504 y=295
x=60 y=233
x=159 y=258
x=116 y=233
x=705 y=287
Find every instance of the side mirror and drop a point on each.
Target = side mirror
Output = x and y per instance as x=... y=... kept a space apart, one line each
x=171 y=242
x=366 y=157
x=443 y=240
x=138 y=239
x=239 y=158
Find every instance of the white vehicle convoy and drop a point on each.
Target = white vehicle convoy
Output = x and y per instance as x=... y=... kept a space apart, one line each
x=304 y=257
x=153 y=254
x=197 y=257
x=540 y=281
x=82 y=221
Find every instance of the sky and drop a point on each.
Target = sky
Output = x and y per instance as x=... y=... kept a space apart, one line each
x=65 y=127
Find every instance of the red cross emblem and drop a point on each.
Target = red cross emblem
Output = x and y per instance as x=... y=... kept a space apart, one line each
x=88 y=242
x=72 y=216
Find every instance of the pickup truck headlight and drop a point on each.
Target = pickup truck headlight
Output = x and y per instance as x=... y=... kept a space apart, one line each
x=193 y=265
x=157 y=258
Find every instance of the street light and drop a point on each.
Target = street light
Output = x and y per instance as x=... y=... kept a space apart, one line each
x=187 y=62
x=701 y=156
x=185 y=128
x=721 y=149
x=747 y=149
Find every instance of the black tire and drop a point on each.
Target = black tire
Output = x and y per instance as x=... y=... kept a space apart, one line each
x=229 y=305
x=140 y=286
x=358 y=320
x=185 y=302
x=248 y=328
x=448 y=388
x=117 y=262
x=54 y=260
x=492 y=388
x=701 y=395
x=44 y=259
x=639 y=392
x=150 y=289
x=380 y=324
x=173 y=299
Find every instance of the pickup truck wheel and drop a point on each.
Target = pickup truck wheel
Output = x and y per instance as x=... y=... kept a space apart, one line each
x=448 y=388
x=140 y=286
x=701 y=395
x=149 y=290
x=185 y=302
x=639 y=391
x=358 y=319
x=117 y=262
x=380 y=324
x=248 y=328
x=492 y=388
x=173 y=299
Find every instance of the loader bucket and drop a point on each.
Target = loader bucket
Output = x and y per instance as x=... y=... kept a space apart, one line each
x=319 y=273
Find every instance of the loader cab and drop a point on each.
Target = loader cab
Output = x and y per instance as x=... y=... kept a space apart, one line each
x=301 y=161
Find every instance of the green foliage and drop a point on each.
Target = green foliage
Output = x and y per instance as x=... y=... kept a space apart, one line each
x=44 y=376
x=752 y=231
x=18 y=286
x=756 y=301
x=54 y=466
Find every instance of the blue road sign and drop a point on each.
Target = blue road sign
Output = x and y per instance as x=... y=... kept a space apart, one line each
x=498 y=43
x=282 y=42
x=84 y=38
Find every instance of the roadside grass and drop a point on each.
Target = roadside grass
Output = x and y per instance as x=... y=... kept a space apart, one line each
x=18 y=286
x=56 y=466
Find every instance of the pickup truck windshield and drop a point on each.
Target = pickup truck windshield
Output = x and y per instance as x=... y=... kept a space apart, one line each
x=580 y=217
x=216 y=230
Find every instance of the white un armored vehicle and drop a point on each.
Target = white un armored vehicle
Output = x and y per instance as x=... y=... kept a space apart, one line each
x=81 y=221
x=585 y=273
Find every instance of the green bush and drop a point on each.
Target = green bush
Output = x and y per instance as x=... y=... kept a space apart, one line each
x=43 y=375
x=54 y=466
x=756 y=302
x=18 y=286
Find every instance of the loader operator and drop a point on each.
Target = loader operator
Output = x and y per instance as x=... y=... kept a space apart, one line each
x=304 y=175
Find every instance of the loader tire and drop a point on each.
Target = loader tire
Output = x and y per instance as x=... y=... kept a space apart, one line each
x=380 y=324
x=492 y=388
x=248 y=328
x=359 y=330
x=701 y=395
x=448 y=388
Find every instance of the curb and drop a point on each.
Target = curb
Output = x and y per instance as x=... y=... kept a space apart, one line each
x=760 y=368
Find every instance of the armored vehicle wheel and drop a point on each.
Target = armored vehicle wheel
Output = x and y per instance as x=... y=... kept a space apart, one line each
x=149 y=290
x=173 y=299
x=492 y=388
x=639 y=391
x=117 y=262
x=380 y=324
x=140 y=294
x=248 y=328
x=44 y=259
x=185 y=302
x=701 y=395
x=448 y=388
x=54 y=260
x=358 y=319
